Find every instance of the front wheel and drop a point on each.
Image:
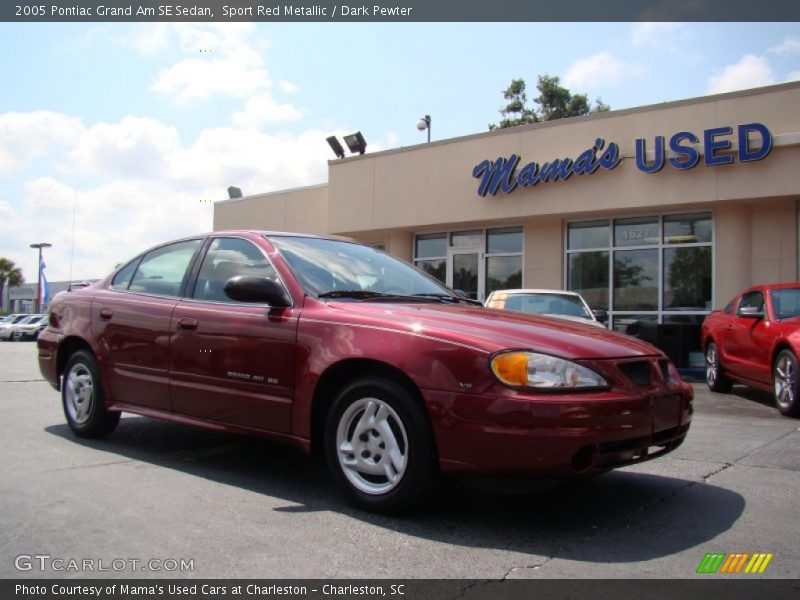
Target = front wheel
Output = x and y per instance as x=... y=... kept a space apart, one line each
x=82 y=397
x=715 y=377
x=378 y=446
x=785 y=383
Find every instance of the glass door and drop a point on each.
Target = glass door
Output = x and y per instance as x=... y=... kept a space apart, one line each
x=465 y=271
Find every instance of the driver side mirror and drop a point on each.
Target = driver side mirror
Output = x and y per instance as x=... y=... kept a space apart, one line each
x=601 y=315
x=248 y=288
x=751 y=312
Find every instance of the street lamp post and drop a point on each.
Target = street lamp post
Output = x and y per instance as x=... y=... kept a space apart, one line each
x=39 y=246
x=425 y=123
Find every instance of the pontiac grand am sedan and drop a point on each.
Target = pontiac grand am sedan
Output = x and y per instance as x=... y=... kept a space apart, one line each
x=340 y=348
x=755 y=340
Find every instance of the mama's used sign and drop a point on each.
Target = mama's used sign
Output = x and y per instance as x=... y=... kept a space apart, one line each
x=503 y=174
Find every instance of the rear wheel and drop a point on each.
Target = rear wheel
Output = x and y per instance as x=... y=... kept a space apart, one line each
x=715 y=377
x=378 y=446
x=83 y=400
x=785 y=383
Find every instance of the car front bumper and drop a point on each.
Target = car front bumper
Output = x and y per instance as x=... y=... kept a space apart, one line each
x=557 y=434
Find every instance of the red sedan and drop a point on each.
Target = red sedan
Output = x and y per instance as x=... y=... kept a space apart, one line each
x=755 y=340
x=340 y=348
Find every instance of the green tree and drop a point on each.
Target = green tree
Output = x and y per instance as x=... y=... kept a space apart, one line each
x=553 y=102
x=9 y=274
x=515 y=112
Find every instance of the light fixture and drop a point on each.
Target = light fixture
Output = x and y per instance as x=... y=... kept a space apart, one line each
x=425 y=123
x=335 y=146
x=234 y=192
x=356 y=142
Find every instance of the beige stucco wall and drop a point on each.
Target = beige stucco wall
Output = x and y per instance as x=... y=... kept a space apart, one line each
x=304 y=210
x=433 y=184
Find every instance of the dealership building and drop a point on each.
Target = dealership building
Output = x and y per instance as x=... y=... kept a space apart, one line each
x=656 y=214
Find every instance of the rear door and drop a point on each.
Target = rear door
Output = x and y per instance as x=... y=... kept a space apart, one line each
x=131 y=322
x=232 y=362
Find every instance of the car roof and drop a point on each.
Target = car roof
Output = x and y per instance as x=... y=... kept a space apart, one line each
x=536 y=291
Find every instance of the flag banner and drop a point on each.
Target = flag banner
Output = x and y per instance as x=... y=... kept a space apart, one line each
x=44 y=288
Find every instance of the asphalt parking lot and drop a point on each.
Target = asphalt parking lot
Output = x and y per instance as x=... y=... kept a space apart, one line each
x=239 y=507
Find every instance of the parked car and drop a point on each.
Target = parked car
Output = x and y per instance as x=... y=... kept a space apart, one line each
x=755 y=340
x=8 y=322
x=28 y=329
x=340 y=348
x=551 y=303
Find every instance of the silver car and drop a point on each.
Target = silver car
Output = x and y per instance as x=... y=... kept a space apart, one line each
x=550 y=303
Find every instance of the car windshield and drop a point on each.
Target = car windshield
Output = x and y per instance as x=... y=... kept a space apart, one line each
x=25 y=320
x=786 y=302
x=547 y=304
x=333 y=267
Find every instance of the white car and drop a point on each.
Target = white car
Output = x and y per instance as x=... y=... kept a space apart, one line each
x=7 y=322
x=28 y=328
x=550 y=303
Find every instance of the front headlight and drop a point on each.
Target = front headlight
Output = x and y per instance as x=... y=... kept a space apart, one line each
x=542 y=371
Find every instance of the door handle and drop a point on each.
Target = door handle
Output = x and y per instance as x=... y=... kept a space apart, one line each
x=106 y=314
x=188 y=323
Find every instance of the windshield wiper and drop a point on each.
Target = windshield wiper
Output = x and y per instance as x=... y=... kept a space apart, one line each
x=351 y=294
x=370 y=295
x=451 y=298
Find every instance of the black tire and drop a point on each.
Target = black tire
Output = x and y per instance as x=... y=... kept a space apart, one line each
x=715 y=375
x=785 y=384
x=393 y=464
x=83 y=399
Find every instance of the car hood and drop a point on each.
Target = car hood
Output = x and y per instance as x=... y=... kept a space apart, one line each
x=492 y=330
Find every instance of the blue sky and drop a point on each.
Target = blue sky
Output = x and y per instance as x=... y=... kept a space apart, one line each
x=132 y=125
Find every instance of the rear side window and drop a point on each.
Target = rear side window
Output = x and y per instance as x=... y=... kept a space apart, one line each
x=161 y=271
x=122 y=279
x=226 y=258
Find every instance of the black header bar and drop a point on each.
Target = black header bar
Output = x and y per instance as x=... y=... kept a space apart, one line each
x=397 y=10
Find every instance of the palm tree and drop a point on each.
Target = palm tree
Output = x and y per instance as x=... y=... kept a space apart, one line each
x=9 y=273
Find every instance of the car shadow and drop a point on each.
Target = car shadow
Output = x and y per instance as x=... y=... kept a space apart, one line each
x=645 y=516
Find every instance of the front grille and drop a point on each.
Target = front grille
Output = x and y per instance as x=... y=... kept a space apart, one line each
x=639 y=372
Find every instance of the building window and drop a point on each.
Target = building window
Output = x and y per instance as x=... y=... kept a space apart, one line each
x=430 y=254
x=645 y=269
x=503 y=259
x=474 y=262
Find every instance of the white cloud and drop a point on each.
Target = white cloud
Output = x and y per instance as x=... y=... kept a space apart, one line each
x=133 y=147
x=751 y=71
x=263 y=108
x=654 y=33
x=195 y=79
x=788 y=45
x=287 y=87
x=601 y=68
x=224 y=60
x=150 y=190
x=27 y=136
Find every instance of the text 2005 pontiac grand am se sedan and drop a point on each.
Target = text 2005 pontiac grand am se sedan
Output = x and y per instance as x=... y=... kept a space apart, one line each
x=341 y=348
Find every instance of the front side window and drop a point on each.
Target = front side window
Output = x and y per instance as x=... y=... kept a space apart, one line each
x=226 y=258
x=123 y=277
x=162 y=271
x=752 y=300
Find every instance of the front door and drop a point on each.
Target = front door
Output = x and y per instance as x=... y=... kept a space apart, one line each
x=232 y=362
x=465 y=272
